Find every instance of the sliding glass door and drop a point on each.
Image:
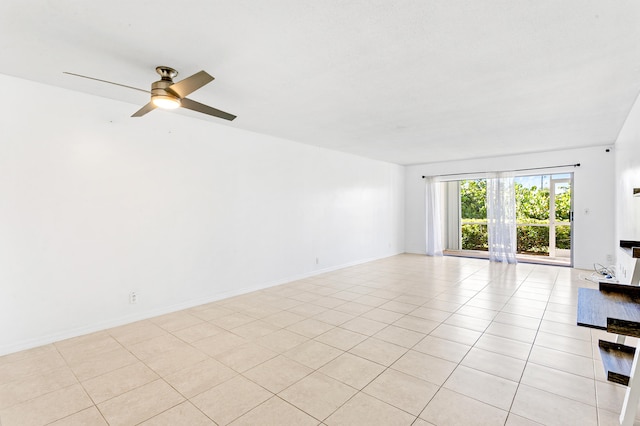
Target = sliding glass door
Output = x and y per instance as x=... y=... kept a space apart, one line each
x=543 y=210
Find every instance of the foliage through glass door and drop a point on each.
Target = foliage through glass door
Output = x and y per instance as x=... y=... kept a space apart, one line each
x=543 y=208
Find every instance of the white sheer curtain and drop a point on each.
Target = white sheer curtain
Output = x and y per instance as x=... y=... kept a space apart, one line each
x=501 y=218
x=433 y=222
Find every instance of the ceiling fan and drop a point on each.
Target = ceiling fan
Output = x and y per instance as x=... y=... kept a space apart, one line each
x=169 y=95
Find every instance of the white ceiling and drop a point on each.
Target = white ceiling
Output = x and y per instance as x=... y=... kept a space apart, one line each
x=404 y=81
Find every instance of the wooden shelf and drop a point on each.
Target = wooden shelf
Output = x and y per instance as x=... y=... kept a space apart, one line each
x=615 y=311
x=628 y=289
x=617 y=360
x=631 y=247
x=629 y=243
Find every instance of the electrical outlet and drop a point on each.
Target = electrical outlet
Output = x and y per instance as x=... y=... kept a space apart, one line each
x=609 y=258
x=133 y=298
x=317 y=260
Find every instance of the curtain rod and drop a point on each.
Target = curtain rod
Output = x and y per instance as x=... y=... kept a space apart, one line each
x=515 y=170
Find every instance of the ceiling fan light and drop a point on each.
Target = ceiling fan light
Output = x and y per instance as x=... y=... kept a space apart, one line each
x=165 y=102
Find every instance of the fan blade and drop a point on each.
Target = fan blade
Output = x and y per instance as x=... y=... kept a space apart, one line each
x=190 y=84
x=105 y=81
x=145 y=109
x=205 y=109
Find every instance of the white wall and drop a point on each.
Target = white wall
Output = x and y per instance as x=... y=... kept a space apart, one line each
x=627 y=153
x=94 y=205
x=592 y=193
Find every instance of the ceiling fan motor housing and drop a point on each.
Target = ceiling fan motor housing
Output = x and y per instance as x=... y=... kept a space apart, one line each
x=159 y=91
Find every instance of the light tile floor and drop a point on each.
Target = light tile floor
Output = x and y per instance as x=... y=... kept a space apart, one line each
x=407 y=340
